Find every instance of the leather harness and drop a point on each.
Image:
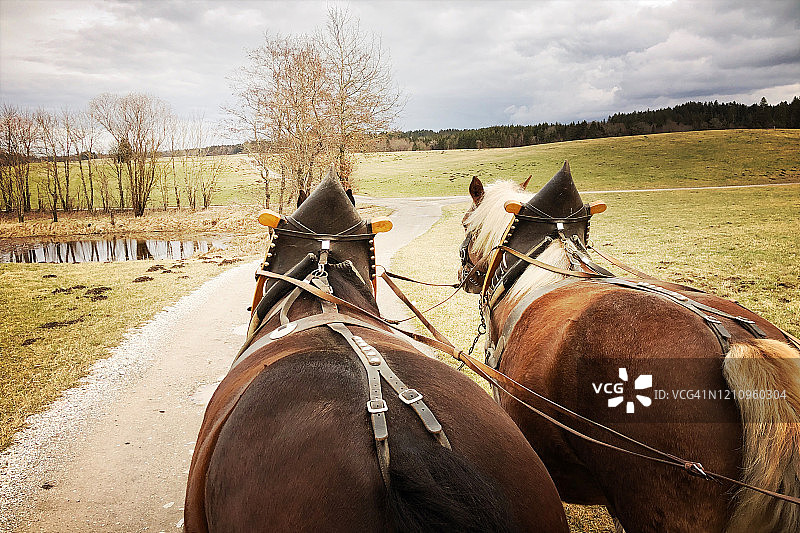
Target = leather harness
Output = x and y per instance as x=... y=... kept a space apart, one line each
x=516 y=389
x=375 y=365
x=501 y=275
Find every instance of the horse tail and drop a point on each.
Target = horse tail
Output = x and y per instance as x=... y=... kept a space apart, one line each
x=432 y=489
x=771 y=433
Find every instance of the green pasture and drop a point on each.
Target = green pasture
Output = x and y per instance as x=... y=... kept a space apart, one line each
x=738 y=243
x=725 y=157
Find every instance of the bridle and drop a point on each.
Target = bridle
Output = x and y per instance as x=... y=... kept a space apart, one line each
x=469 y=274
x=501 y=274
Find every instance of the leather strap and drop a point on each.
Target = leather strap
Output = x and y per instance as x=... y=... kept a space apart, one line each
x=376 y=405
x=412 y=280
x=616 y=262
x=303 y=324
x=324 y=236
x=496 y=346
x=551 y=268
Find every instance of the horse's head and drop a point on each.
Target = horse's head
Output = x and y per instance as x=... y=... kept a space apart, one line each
x=484 y=224
x=325 y=225
x=504 y=214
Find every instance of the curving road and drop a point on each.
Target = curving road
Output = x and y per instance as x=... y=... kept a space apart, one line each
x=113 y=454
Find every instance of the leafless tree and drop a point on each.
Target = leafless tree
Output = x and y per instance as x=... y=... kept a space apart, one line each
x=84 y=136
x=106 y=169
x=279 y=102
x=363 y=99
x=137 y=122
x=48 y=125
x=64 y=136
x=305 y=101
x=173 y=132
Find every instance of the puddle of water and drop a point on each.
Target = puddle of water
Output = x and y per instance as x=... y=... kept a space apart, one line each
x=104 y=250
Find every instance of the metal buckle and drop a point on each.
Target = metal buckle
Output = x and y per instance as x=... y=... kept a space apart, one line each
x=283 y=330
x=410 y=396
x=377 y=406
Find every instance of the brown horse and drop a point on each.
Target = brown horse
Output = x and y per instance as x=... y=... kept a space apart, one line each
x=576 y=334
x=295 y=437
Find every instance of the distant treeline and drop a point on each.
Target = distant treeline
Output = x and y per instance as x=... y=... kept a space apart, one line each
x=691 y=116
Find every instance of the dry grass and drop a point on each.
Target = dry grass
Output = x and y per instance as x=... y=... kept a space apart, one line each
x=234 y=219
x=58 y=319
x=740 y=244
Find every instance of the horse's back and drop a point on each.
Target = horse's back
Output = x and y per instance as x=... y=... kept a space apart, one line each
x=296 y=456
x=585 y=334
x=301 y=457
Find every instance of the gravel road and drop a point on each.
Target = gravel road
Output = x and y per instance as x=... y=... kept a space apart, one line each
x=113 y=453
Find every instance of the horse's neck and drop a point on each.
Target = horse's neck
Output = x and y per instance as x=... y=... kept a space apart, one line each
x=532 y=278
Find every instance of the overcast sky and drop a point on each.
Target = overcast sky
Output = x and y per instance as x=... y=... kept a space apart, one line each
x=461 y=64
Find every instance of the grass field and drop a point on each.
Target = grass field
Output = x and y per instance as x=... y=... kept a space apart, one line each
x=58 y=319
x=728 y=157
x=740 y=244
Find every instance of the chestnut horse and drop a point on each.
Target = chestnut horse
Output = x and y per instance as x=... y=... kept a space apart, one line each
x=287 y=443
x=580 y=341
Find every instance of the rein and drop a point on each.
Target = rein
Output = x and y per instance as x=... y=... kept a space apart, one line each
x=504 y=382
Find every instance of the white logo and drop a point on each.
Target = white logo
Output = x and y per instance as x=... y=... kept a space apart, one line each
x=644 y=381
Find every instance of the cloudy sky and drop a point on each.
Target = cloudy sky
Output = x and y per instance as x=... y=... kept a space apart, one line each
x=461 y=64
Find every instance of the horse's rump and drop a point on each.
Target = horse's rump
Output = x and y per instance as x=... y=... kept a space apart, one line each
x=584 y=332
x=274 y=414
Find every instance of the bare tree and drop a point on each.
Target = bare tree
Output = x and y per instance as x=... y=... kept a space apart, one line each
x=173 y=132
x=8 y=156
x=17 y=151
x=279 y=103
x=64 y=135
x=106 y=169
x=85 y=134
x=305 y=101
x=138 y=122
x=363 y=99
x=48 y=128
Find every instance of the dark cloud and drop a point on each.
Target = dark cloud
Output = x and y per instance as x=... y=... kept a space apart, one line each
x=463 y=64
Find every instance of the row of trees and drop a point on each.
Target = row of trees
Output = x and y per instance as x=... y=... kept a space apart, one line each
x=305 y=102
x=691 y=116
x=40 y=150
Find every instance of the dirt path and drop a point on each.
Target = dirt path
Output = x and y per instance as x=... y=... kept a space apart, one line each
x=123 y=466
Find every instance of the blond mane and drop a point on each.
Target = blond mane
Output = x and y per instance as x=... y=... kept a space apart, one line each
x=489 y=220
x=488 y=223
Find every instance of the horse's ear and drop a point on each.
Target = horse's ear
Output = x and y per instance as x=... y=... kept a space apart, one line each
x=301 y=197
x=350 y=195
x=525 y=183
x=476 y=190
